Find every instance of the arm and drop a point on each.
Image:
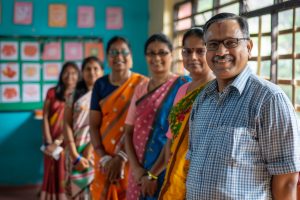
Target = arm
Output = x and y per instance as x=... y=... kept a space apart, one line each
x=137 y=169
x=284 y=187
x=46 y=127
x=95 y=125
x=69 y=138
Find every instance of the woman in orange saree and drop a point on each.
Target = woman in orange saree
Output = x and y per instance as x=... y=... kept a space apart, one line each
x=53 y=113
x=193 y=54
x=110 y=101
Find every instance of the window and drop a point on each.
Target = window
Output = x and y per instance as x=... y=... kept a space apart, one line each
x=274 y=29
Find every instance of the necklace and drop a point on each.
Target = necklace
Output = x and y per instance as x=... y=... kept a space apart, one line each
x=119 y=82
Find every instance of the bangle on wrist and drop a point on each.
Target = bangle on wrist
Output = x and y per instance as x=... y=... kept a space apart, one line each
x=77 y=160
x=151 y=176
x=123 y=155
x=104 y=160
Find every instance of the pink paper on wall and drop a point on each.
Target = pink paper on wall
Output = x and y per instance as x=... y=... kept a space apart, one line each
x=86 y=17
x=23 y=13
x=52 y=51
x=114 y=18
x=73 y=51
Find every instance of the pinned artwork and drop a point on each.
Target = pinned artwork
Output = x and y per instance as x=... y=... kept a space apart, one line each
x=94 y=49
x=9 y=50
x=73 y=51
x=52 y=51
x=57 y=15
x=51 y=71
x=31 y=92
x=46 y=87
x=86 y=17
x=31 y=72
x=23 y=13
x=30 y=51
x=9 y=72
x=114 y=18
x=10 y=93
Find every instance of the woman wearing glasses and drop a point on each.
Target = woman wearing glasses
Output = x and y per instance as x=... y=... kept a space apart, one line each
x=109 y=104
x=146 y=122
x=193 y=54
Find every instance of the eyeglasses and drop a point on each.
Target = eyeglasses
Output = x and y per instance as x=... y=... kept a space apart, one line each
x=189 y=51
x=115 y=53
x=160 y=53
x=228 y=43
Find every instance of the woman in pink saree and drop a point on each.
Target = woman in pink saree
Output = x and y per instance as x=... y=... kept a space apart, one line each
x=146 y=122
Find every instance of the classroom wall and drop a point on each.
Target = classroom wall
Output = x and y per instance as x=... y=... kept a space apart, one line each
x=20 y=134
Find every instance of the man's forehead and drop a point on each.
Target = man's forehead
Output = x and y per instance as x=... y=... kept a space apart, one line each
x=224 y=28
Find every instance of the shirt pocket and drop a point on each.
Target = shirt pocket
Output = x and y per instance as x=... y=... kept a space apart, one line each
x=245 y=147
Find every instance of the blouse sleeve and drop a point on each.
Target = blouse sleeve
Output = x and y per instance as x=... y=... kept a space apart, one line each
x=96 y=96
x=139 y=91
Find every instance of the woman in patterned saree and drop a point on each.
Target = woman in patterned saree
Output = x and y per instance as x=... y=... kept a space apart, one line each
x=79 y=151
x=110 y=101
x=146 y=122
x=53 y=113
x=193 y=54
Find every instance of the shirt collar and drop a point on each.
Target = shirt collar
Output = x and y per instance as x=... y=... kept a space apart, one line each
x=239 y=83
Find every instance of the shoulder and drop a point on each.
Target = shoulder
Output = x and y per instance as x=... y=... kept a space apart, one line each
x=51 y=93
x=184 y=79
x=261 y=87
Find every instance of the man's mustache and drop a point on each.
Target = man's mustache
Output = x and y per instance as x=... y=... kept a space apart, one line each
x=226 y=57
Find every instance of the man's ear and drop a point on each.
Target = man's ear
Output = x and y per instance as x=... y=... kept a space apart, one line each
x=249 y=47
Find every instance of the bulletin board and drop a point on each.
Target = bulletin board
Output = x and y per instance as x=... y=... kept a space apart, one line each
x=29 y=66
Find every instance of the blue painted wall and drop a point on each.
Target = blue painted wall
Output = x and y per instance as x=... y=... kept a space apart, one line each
x=20 y=134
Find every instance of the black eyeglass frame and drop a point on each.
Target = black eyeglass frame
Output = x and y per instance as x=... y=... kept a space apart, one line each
x=224 y=43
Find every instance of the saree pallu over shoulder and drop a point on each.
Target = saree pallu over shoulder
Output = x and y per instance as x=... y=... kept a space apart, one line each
x=174 y=183
x=152 y=124
x=114 y=110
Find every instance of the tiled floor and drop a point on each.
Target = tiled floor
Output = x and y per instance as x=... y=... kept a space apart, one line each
x=20 y=192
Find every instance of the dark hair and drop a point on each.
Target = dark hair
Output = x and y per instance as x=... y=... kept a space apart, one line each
x=81 y=87
x=115 y=39
x=229 y=16
x=158 y=37
x=60 y=87
x=195 y=31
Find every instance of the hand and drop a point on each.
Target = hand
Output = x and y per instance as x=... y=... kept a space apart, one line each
x=148 y=187
x=50 y=148
x=82 y=164
x=114 y=168
x=138 y=173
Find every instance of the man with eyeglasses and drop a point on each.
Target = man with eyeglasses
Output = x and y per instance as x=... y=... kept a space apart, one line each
x=244 y=134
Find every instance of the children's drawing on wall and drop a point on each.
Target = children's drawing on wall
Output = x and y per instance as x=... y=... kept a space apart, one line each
x=86 y=17
x=31 y=92
x=51 y=71
x=73 y=51
x=57 y=15
x=31 y=72
x=30 y=51
x=114 y=18
x=52 y=51
x=10 y=93
x=23 y=13
x=9 y=72
x=9 y=50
